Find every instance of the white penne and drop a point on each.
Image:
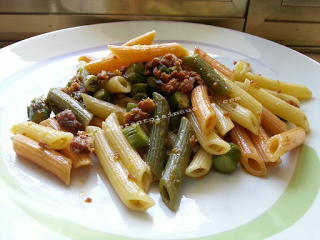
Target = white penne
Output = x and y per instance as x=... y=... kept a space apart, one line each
x=171 y=138
x=200 y=164
x=260 y=143
x=131 y=159
x=240 y=69
x=129 y=192
x=212 y=143
x=282 y=143
x=224 y=123
x=239 y=114
x=244 y=99
x=101 y=108
x=277 y=106
x=117 y=84
x=296 y=90
x=203 y=111
x=53 y=138
x=285 y=97
x=49 y=159
x=250 y=158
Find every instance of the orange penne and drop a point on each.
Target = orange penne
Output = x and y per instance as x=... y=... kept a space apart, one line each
x=272 y=123
x=282 y=143
x=143 y=53
x=78 y=160
x=96 y=121
x=49 y=159
x=214 y=63
x=250 y=157
x=110 y=62
x=260 y=142
x=203 y=111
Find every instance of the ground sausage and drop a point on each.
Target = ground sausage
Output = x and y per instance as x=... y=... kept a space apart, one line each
x=68 y=121
x=83 y=143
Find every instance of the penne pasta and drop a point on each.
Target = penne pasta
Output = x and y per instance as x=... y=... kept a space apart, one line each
x=111 y=63
x=272 y=123
x=238 y=114
x=282 y=143
x=96 y=121
x=53 y=138
x=128 y=191
x=285 y=97
x=250 y=158
x=78 y=160
x=203 y=111
x=52 y=123
x=277 y=106
x=244 y=99
x=142 y=53
x=131 y=159
x=240 y=69
x=49 y=159
x=117 y=84
x=224 y=123
x=212 y=143
x=214 y=63
x=101 y=108
x=260 y=143
x=296 y=90
x=200 y=164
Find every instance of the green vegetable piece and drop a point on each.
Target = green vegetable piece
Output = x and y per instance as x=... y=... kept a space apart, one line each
x=178 y=161
x=135 y=73
x=139 y=90
x=156 y=154
x=38 y=110
x=212 y=79
x=174 y=123
x=92 y=83
x=227 y=162
x=131 y=106
x=152 y=82
x=163 y=68
x=178 y=101
x=136 y=136
x=102 y=94
x=63 y=101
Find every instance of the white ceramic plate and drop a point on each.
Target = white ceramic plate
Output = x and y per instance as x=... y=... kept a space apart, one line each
x=283 y=205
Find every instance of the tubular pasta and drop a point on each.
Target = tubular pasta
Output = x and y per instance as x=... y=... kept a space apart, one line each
x=272 y=123
x=129 y=192
x=101 y=108
x=200 y=164
x=224 y=123
x=214 y=63
x=250 y=158
x=282 y=143
x=131 y=159
x=49 y=159
x=111 y=62
x=212 y=143
x=53 y=138
x=204 y=113
x=143 y=53
x=239 y=114
x=117 y=84
x=260 y=143
x=277 y=106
